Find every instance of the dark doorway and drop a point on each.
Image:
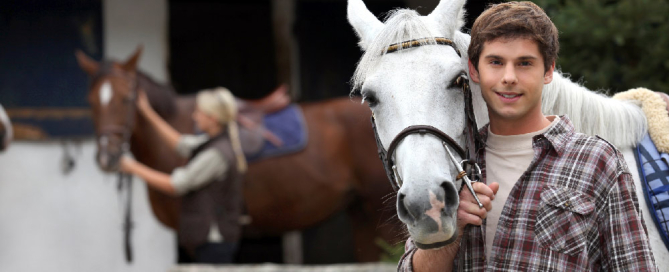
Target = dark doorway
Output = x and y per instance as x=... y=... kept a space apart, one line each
x=222 y=43
x=328 y=46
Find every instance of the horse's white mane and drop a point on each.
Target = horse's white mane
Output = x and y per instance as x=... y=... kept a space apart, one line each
x=622 y=123
x=401 y=25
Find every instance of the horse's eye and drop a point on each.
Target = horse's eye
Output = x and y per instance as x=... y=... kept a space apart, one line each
x=371 y=99
x=458 y=81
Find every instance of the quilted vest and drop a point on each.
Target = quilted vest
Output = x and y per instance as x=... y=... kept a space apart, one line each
x=219 y=201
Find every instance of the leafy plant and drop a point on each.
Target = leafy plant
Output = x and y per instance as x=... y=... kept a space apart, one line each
x=391 y=253
x=613 y=44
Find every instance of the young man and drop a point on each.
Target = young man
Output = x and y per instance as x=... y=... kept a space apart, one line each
x=566 y=201
x=210 y=185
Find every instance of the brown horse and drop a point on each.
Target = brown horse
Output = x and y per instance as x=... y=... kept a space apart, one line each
x=338 y=169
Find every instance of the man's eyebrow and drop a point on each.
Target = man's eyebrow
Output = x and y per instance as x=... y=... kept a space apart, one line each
x=519 y=58
x=527 y=58
x=492 y=57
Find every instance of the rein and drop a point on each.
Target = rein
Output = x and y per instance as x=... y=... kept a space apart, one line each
x=472 y=141
x=126 y=132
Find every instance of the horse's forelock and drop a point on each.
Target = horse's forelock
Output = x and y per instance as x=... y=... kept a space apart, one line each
x=401 y=25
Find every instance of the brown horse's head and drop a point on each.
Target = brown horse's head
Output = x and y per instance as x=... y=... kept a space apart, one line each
x=112 y=95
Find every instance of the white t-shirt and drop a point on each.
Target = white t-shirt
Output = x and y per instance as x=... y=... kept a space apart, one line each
x=506 y=159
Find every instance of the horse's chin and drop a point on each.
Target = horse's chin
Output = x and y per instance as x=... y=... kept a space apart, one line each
x=437 y=245
x=425 y=236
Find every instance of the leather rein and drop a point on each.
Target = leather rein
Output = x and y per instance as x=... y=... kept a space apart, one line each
x=126 y=132
x=472 y=141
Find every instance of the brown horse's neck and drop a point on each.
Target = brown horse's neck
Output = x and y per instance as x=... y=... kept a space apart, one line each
x=148 y=147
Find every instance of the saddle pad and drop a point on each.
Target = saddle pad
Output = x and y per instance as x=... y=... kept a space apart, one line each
x=289 y=126
x=654 y=170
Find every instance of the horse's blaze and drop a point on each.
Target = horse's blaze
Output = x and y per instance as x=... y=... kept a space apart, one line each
x=106 y=93
x=435 y=211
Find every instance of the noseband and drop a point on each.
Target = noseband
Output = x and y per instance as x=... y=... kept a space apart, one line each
x=472 y=141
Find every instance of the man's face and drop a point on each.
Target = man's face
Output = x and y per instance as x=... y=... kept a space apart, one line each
x=511 y=75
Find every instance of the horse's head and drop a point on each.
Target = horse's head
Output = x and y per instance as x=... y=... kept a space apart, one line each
x=112 y=95
x=414 y=84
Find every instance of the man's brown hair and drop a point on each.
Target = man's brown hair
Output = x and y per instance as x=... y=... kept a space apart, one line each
x=515 y=20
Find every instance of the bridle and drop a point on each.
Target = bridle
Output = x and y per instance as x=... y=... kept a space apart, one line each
x=126 y=132
x=472 y=141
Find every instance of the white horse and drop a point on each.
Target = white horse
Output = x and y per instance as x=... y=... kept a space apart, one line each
x=414 y=87
x=5 y=129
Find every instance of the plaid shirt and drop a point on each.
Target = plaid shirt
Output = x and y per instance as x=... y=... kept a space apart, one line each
x=574 y=209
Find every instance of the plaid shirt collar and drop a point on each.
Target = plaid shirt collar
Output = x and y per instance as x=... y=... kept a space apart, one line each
x=557 y=135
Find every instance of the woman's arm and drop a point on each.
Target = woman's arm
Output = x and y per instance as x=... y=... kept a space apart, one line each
x=165 y=130
x=155 y=179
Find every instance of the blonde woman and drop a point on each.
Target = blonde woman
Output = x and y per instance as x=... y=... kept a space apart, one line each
x=210 y=184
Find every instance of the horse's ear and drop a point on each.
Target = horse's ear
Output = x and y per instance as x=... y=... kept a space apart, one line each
x=449 y=16
x=131 y=63
x=89 y=65
x=366 y=25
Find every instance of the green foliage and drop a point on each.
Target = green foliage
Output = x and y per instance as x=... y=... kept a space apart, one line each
x=391 y=253
x=613 y=44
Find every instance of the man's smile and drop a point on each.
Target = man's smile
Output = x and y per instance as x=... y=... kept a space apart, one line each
x=508 y=97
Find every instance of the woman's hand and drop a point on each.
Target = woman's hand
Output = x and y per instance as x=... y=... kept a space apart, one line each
x=143 y=101
x=127 y=165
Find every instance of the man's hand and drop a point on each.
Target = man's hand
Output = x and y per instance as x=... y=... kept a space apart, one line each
x=469 y=211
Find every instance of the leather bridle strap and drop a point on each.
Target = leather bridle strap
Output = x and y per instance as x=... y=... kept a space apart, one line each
x=422 y=129
x=126 y=132
x=418 y=42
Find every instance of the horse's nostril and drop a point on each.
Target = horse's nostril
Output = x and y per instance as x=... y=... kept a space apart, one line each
x=451 y=197
x=402 y=211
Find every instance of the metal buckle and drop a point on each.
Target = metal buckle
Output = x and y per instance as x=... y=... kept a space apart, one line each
x=398 y=179
x=474 y=176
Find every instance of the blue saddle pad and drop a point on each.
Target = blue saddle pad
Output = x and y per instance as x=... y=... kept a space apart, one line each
x=654 y=170
x=287 y=124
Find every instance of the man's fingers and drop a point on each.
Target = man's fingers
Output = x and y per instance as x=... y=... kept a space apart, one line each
x=483 y=189
x=494 y=187
x=472 y=208
x=465 y=218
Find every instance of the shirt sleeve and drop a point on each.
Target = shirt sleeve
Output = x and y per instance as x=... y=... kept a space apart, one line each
x=627 y=247
x=206 y=167
x=405 y=264
x=188 y=143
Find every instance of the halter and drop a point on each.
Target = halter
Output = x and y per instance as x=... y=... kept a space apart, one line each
x=126 y=129
x=472 y=141
x=126 y=132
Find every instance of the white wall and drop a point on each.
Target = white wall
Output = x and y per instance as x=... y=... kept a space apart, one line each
x=129 y=23
x=51 y=221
